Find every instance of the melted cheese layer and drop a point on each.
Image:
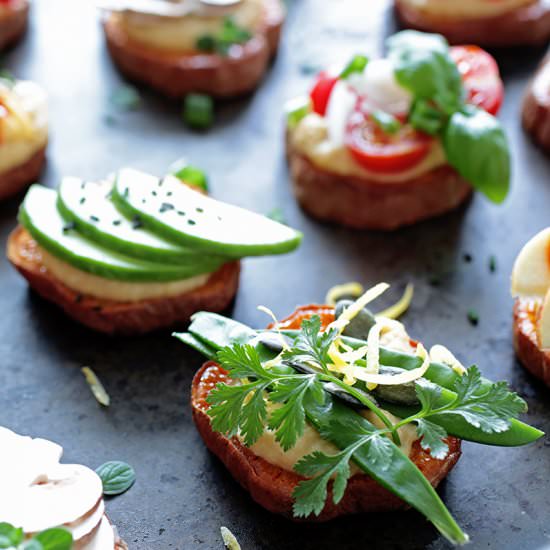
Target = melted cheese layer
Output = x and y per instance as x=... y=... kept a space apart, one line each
x=120 y=291
x=181 y=33
x=311 y=139
x=465 y=9
x=25 y=131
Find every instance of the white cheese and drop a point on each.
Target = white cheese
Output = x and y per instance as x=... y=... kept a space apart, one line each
x=110 y=289
x=466 y=8
x=341 y=104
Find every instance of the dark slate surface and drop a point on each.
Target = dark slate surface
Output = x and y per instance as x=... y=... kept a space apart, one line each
x=183 y=495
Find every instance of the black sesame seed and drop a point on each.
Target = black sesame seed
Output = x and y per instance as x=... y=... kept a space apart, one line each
x=169 y=194
x=82 y=200
x=191 y=222
x=181 y=213
x=467 y=257
x=154 y=193
x=68 y=227
x=94 y=218
x=117 y=222
x=492 y=264
x=136 y=222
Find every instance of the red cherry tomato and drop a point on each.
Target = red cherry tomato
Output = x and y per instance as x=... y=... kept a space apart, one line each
x=481 y=77
x=379 y=151
x=320 y=93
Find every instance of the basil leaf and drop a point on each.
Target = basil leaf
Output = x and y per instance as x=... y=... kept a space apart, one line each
x=388 y=123
x=297 y=109
x=55 y=539
x=356 y=65
x=423 y=66
x=425 y=117
x=10 y=536
x=476 y=146
x=116 y=476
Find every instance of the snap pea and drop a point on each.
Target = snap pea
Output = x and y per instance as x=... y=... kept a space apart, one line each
x=400 y=394
x=196 y=344
x=216 y=331
x=398 y=474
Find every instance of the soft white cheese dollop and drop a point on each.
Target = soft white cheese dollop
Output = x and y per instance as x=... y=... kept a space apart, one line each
x=25 y=131
x=466 y=8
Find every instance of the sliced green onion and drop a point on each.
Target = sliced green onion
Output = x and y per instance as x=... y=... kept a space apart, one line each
x=388 y=123
x=207 y=43
x=296 y=109
x=191 y=174
x=356 y=65
x=198 y=111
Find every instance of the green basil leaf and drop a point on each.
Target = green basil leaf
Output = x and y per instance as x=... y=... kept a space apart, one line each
x=191 y=174
x=476 y=146
x=356 y=65
x=116 y=476
x=425 y=117
x=296 y=109
x=10 y=536
x=423 y=66
x=55 y=539
x=388 y=123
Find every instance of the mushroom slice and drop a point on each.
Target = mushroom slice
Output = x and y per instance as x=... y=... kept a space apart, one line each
x=85 y=528
x=104 y=539
x=531 y=273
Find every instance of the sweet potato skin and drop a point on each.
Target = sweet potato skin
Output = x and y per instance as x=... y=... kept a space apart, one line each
x=525 y=26
x=118 y=317
x=365 y=204
x=175 y=74
x=272 y=487
x=536 y=106
x=18 y=178
x=14 y=24
x=531 y=356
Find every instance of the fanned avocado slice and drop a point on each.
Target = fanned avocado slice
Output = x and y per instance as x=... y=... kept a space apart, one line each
x=89 y=206
x=40 y=216
x=187 y=217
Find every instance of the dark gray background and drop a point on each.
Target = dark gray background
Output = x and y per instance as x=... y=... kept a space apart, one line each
x=182 y=495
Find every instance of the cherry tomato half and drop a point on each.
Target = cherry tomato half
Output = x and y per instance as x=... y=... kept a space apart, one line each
x=481 y=77
x=321 y=91
x=379 y=151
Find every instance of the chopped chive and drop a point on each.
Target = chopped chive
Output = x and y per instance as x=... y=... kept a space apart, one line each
x=94 y=218
x=473 y=317
x=199 y=210
x=154 y=193
x=386 y=122
x=83 y=185
x=169 y=194
x=136 y=222
x=206 y=43
x=143 y=201
x=191 y=222
x=467 y=257
x=126 y=191
x=165 y=206
x=82 y=200
x=492 y=263
x=181 y=213
x=117 y=222
x=356 y=65
x=198 y=111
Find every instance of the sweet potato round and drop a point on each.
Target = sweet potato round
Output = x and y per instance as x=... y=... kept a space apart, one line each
x=536 y=106
x=120 y=317
x=13 y=23
x=175 y=74
x=531 y=356
x=365 y=204
x=525 y=26
x=272 y=487
x=16 y=179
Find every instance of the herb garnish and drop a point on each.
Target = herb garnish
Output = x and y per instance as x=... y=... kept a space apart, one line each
x=473 y=317
x=116 y=477
x=13 y=538
x=231 y=33
x=492 y=263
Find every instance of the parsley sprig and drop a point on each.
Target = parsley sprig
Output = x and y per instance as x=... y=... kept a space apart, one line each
x=279 y=398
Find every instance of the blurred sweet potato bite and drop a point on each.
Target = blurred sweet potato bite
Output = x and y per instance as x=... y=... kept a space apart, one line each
x=217 y=47
x=13 y=21
x=23 y=134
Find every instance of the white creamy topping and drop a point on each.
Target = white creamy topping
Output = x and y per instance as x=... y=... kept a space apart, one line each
x=466 y=8
x=341 y=105
x=311 y=139
x=120 y=291
x=181 y=33
x=23 y=123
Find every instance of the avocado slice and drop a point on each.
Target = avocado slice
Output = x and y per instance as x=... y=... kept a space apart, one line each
x=40 y=216
x=187 y=217
x=89 y=207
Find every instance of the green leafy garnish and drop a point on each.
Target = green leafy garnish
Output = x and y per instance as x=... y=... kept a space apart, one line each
x=473 y=140
x=116 y=477
x=51 y=539
x=357 y=64
x=230 y=33
x=192 y=175
x=7 y=77
x=387 y=122
x=297 y=109
x=198 y=111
